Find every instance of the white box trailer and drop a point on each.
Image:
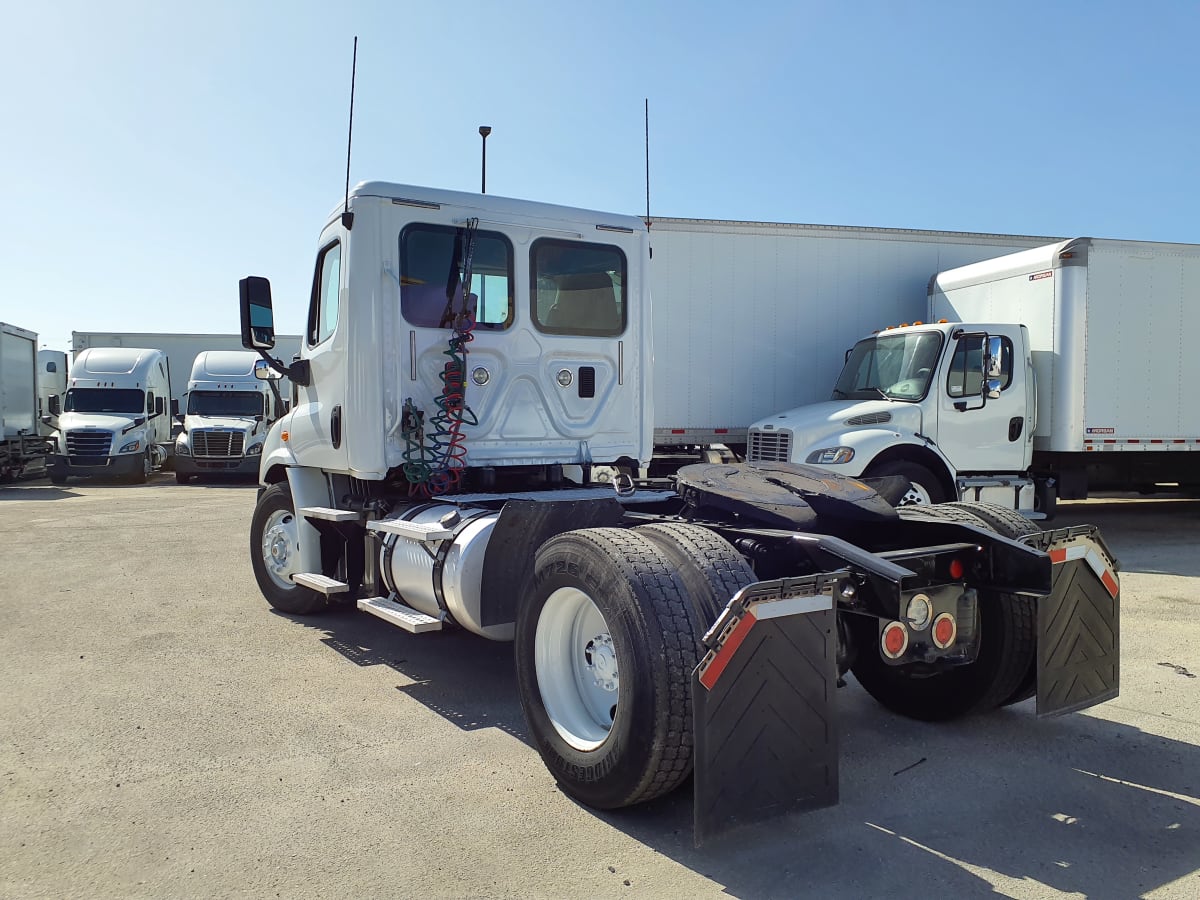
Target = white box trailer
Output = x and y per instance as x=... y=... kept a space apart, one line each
x=181 y=349
x=20 y=441
x=1108 y=323
x=751 y=318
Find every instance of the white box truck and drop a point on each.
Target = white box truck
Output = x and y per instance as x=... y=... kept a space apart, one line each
x=227 y=411
x=115 y=420
x=754 y=317
x=1039 y=375
x=465 y=351
x=21 y=444
x=181 y=349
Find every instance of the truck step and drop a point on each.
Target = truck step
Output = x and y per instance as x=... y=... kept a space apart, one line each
x=330 y=515
x=399 y=614
x=420 y=532
x=322 y=584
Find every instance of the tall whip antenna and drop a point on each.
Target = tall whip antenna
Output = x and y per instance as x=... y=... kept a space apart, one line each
x=347 y=216
x=647 y=163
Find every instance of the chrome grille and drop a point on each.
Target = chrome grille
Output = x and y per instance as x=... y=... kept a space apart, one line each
x=207 y=442
x=769 y=446
x=89 y=443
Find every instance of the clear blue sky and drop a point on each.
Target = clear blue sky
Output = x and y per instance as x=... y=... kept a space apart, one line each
x=156 y=152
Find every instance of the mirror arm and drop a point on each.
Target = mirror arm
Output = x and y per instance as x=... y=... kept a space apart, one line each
x=297 y=371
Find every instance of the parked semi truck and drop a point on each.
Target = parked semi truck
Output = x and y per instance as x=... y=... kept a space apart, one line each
x=1037 y=375
x=227 y=413
x=115 y=420
x=464 y=352
x=52 y=388
x=21 y=444
x=181 y=349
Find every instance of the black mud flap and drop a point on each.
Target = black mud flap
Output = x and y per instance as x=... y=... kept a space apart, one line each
x=1078 y=625
x=763 y=703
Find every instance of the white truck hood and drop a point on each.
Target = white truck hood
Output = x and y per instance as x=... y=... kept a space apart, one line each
x=116 y=423
x=239 y=423
x=838 y=416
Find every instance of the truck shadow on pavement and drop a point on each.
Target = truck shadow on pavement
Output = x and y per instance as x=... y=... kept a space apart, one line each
x=38 y=492
x=1165 y=532
x=1078 y=805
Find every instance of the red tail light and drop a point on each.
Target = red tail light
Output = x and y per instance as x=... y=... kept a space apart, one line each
x=894 y=640
x=945 y=630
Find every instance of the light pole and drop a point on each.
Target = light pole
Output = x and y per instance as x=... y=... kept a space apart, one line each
x=484 y=131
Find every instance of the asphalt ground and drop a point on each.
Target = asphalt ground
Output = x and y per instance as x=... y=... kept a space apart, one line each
x=164 y=733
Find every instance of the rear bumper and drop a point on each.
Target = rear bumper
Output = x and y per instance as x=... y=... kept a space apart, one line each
x=95 y=466
x=190 y=465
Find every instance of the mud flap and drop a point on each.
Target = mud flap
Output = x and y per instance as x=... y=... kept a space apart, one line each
x=1078 y=663
x=763 y=704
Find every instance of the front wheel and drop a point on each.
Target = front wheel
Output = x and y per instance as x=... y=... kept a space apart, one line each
x=605 y=647
x=275 y=553
x=924 y=487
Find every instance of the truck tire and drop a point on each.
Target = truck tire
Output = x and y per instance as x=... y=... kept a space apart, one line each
x=606 y=642
x=712 y=571
x=58 y=479
x=926 y=488
x=181 y=478
x=274 y=550
x=1007 y=651
x=1010 y=524
x=142 y=474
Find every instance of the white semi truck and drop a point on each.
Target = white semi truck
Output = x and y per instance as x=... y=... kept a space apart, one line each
x=462 y=353
x=1036 y=376
x=21 y=444
x=52 y=387
x=115 y=420
x=227 y=412
x=181 y=348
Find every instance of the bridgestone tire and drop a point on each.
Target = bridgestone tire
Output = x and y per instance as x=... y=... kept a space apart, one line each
x=712 y=571
x=646 y=750
x=276 y=503
x=1010 y=524
x=1007 y=651
x=922 y=479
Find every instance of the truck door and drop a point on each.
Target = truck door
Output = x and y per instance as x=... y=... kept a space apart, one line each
x=978 y=433
x=315 y=431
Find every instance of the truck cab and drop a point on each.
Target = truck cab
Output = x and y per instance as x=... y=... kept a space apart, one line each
x=227 y=413
x=950 y=406
x=115 y=421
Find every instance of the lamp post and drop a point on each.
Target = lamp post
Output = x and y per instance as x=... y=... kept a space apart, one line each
x=484 y=131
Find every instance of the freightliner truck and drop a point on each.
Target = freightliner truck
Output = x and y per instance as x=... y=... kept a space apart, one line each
x=467 y=360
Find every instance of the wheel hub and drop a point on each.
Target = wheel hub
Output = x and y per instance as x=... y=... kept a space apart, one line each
x=279 y=543
x=602 y=660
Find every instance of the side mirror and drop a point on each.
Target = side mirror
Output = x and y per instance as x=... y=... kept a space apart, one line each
x=258 y=318
x=150 y=404
x=992 y=389
x=47 y=420
x=160 y=406
x=174 y=406
x=55 y=405
x=264 y=371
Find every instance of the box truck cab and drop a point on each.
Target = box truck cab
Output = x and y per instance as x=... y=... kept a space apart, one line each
x=52 y=388
x=115 y=420
x=227 y=415
x=950 y=406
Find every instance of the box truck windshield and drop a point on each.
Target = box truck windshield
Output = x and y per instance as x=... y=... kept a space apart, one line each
x=105 y=400
x=898 y=367
x=225 y=403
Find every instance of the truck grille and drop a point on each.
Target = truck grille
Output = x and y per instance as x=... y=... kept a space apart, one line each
x=207 y=442
x=769 y=446
x=89 y=443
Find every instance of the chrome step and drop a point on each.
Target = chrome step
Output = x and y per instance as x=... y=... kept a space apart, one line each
x=422 y=533
x=330 y=515
x=399 y=614
x=322 y=584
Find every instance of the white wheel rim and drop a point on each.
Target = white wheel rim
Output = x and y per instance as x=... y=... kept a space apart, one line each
x=281 y=547
x=576 y=666
x=916 y=496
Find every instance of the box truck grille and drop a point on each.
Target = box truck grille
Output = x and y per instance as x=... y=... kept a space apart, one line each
x=769 y=446
x=89 y=443
x=209 y=443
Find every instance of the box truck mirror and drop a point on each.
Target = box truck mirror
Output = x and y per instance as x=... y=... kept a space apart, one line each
x=55 y=405
x=993 y=389
x=258 y=319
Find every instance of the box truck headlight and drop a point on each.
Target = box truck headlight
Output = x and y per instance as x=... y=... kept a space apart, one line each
x=131 y=447
x=254 y=450
x=830 y=456
x=182 y=448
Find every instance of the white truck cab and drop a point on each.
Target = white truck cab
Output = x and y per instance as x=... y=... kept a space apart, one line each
x=227 y=415
x=950 y=406
x=115 y=419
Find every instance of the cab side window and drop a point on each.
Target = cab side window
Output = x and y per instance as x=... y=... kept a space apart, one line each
x=966 y=368
x=323 y=306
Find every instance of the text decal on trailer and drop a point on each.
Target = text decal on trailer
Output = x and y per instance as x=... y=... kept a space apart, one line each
x=1039 y=275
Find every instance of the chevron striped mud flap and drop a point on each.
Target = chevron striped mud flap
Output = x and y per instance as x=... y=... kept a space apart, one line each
x=1079 y=627
x=763 y=701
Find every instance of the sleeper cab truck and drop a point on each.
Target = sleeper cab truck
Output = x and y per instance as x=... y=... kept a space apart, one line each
x=467 y=359
x=227 y=411
x=115 y=421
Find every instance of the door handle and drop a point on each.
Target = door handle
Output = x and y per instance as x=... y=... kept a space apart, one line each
x=335 y=427
x=1015 y=426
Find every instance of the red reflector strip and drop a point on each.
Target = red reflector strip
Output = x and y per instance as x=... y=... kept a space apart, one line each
x=725 y=652
x=720 y=431
x=678 y=431
x=1095 y=563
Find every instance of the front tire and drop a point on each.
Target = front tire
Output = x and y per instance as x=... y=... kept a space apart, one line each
x=606 y=643
x=925 y=489
x=275 y=553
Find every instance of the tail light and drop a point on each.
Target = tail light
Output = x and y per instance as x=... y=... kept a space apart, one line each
x=945 y=630
x=894 y=640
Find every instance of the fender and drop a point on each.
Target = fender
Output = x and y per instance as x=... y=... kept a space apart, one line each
x=871 y=443
x=276 y=452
